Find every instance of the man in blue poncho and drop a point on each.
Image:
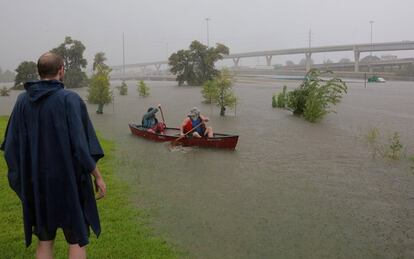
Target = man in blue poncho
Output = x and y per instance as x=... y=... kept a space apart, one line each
x=51 y=151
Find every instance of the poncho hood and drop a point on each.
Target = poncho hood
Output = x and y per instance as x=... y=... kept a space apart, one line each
x=37 y=90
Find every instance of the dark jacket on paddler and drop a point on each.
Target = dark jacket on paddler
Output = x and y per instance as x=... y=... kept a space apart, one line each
x=51 y=148
x=149 y=120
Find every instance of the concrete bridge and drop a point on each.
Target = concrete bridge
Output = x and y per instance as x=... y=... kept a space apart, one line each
x=366 y=66
x=356 y=48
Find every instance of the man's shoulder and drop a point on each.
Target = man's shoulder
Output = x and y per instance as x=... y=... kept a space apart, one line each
x=22 y=96
x=70 y=96
x=69 y=93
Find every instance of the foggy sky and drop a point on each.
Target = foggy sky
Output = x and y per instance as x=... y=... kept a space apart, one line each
x=153 y=27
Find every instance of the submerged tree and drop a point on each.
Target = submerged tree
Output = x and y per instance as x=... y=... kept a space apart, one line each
x=4 y=91
x=99 y=60
x=143 y=89
x=195 y=66
x=98 y=91
x=314 y=98
x=72 y=53
x=221 y=92
x=123 y=88
x=209 y=92
x=26 y=71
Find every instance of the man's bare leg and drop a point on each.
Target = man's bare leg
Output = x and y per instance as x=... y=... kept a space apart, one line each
x=44 y=250
x=209 y=132
x=77 y=252
x=195 y=134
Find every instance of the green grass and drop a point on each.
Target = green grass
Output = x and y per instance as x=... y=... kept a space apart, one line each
x=125 y=229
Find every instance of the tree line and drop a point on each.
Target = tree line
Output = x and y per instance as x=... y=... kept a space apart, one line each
x=193 y=66
x=72 y=53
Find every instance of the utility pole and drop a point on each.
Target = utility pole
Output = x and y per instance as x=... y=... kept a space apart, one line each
x=308 y=55
x=208 y=36
x=123 y=54
x=372 y=46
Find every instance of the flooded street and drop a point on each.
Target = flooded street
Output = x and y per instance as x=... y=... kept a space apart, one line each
x=292 y=189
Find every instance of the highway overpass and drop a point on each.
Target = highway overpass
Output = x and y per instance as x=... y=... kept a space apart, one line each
x=268 y=54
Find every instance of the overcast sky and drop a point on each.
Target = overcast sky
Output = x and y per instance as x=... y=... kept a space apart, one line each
x=153 y=27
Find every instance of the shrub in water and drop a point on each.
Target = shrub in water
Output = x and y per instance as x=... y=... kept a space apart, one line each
x=394 y=149
x=4 y=91
x=315 y=96
x=274 y=101
x=123 y=89
x=143 y=89
x=280 y=102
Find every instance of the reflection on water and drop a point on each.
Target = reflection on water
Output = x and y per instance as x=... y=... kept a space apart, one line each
x=291 y=189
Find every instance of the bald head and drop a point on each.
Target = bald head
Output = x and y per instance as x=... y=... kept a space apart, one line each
x=49 y=65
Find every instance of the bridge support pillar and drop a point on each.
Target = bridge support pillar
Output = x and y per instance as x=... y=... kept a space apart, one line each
x=356 y=63
x=157 y=67
x=269 y=60
x=308 y=61
x=236 y=61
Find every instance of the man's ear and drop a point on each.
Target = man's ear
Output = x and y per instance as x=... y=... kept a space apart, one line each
x=61 y=73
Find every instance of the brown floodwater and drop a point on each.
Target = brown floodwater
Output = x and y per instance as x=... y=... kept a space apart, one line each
x=292 y=189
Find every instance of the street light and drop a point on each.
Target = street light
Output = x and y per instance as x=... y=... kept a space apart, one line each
x=123 y=54
x=372 y=46
x=208 y=36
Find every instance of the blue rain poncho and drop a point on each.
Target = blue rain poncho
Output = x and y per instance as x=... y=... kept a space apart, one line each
x=51 y=148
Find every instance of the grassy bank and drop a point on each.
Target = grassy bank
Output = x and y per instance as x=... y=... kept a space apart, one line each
x=125 y=230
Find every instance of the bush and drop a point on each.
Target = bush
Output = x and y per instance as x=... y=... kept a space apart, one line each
x=395 y=147
x=274 y=101
x=98 y=91
x=314 y=97
x=143 y=89
x=209 y=92
x=280 y=102
x=123 y=88
x=392 y=149
x=4 y=91
x=220 y=91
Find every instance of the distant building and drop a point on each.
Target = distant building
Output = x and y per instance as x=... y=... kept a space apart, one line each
x=389 y=57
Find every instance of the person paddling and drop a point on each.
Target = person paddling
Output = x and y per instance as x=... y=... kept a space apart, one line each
x=150 y=121
x=196 y=121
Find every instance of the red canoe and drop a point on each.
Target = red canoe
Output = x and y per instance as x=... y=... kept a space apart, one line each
x=171 y=134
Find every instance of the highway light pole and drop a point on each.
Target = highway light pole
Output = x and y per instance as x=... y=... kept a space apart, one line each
x=123 y=54
x=372 y=46
x=208 y=36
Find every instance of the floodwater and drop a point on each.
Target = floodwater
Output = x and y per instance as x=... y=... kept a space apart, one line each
x=291 y=189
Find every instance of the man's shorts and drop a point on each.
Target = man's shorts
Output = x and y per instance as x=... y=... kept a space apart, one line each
x=48 y=235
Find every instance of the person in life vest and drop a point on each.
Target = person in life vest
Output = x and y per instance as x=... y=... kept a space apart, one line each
x=149 y=121
x=197 y=122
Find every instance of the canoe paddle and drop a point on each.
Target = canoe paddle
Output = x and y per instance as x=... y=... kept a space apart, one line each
x=173 y=143
x=162 y=114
